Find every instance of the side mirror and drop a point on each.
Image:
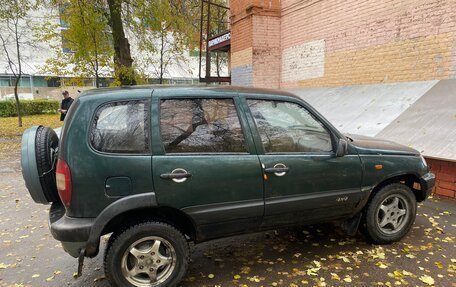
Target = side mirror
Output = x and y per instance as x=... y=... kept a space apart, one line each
x=341 y=148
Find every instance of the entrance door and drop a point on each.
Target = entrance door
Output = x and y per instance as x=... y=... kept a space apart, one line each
x=205 y=165
x=304 y=180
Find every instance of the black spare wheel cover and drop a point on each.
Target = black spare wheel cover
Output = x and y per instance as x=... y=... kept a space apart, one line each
x=46 y=143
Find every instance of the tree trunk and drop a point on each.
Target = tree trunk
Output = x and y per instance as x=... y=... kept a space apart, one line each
x=18 y=104
x=19 y=74
x=122 y=56
x=97 y=79
x=162 y=48
x=217 y=61
x=97 y=66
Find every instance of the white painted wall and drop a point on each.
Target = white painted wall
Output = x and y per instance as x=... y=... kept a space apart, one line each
x=303 y=62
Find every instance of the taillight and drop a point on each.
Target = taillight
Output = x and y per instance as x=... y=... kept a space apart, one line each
x=63 y=179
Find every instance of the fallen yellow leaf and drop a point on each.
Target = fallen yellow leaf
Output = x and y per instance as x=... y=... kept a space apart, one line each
x=334 y=276
x=406 y=273
x=347 y=279
x=398 y=274
x=427 y=279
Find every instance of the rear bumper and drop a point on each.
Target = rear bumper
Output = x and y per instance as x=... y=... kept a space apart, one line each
x=72 y=232
x=427 y=183
x=78 y=233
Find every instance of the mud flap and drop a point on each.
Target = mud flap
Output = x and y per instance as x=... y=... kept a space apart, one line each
x=350 y=226
x=80 y=262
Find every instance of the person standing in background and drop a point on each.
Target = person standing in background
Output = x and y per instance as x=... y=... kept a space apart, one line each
x=65 y=105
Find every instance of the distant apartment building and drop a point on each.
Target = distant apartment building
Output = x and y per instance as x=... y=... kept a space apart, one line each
x=41 y=84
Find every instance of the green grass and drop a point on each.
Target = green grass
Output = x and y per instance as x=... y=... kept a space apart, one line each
x=11 y=133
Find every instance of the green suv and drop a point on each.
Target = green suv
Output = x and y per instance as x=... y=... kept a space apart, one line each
x=159 y=167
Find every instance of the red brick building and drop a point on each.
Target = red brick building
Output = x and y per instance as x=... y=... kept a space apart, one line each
x=399 y=56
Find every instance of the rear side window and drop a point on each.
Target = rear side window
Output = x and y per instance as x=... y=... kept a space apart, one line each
x=121 y=127
x=201 y=126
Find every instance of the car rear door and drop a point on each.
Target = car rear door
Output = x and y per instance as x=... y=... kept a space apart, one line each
x=304 y=180
x=107 y=148
x=204 y=162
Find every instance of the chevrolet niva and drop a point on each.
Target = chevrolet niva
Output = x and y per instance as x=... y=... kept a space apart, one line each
x=159 y=167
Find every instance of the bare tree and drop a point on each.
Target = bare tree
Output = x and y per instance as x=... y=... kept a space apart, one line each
x=13 y=24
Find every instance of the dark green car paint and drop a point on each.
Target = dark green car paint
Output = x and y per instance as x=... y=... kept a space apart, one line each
x=303 y=194
x=395 y=159
x=226 y=193
x=91 y=169
x=223 y=189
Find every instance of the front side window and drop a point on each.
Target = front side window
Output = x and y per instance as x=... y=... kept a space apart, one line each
x=121 y=127
x=201 y=126
x=289 y=127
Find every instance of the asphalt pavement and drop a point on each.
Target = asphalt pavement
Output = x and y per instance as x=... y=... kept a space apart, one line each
x=300 y=256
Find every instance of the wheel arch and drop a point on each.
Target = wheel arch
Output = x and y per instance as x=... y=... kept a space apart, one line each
x=169 y=215
x=135 y=209
x=409 y=179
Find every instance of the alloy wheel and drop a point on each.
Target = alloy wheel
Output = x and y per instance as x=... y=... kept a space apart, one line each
x=149 y=261
x=392 y=214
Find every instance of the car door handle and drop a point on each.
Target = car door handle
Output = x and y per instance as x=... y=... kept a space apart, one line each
x=178 y=175
x=276 y=169
x=279 y=169
x=175 y=175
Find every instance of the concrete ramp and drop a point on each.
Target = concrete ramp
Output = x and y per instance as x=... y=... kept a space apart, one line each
x=417 y=114
x=364 y=109
x=429 y=125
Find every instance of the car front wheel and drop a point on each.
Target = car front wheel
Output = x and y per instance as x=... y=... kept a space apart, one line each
x=390 y=214
x=147 y=254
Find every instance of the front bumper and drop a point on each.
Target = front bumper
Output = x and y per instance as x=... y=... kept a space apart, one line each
x=72 y=232
x=427 y=183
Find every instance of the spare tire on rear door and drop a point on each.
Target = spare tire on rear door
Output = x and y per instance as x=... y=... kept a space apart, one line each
x=38 y=158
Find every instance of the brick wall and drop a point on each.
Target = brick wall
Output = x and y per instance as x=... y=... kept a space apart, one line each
x=371 y=41
x=255 y=43
x=350 y=42
x=266 y=51
x=445 y=172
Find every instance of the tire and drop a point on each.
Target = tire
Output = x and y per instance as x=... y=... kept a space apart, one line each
x=390 y=214
x=46 y=144
x=38 y=154
x=134 y=255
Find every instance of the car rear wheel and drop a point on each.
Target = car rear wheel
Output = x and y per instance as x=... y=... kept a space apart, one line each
x=390 y=214
x=38 y=158
x=147 y=254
